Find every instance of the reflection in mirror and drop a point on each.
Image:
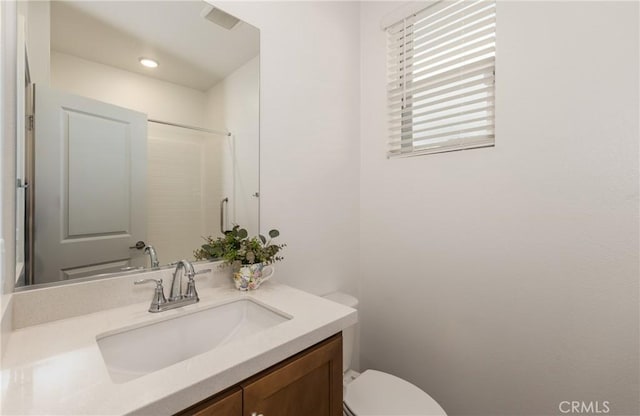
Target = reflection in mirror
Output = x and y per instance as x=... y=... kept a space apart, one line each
x=132 y=165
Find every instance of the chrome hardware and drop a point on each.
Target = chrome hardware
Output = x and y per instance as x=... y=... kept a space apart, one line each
x=139 y=245
x=256 y=414
x=191 y=285
x=192 y=293
x=176 y=289
x=185 y=126
x=177 y=298
x=222 y=205
x=158 y=282
x=131 y=268
x=159 y=301
x=153 y=256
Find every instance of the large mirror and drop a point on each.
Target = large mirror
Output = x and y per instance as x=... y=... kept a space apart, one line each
x=144 y=136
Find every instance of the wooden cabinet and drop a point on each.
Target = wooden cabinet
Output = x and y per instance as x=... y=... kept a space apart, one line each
x=228 y=403
x=309 y=383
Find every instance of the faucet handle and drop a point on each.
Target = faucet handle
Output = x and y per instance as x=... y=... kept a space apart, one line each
x=191 y=284
x=158 y=295
x=192 y=293
x=143 y=281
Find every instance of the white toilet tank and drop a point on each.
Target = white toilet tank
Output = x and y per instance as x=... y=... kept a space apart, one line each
x=348 y=334
x=375 y=392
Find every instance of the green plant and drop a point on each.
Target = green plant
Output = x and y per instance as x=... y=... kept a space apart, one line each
x=237 y=248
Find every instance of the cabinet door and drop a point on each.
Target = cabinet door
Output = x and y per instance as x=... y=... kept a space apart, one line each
x=308 y=384
x=226 y=404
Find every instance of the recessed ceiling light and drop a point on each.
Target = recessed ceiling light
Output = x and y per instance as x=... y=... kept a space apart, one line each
x=149 y=63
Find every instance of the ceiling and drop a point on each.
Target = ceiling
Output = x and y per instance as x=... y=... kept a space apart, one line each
x=191 y=50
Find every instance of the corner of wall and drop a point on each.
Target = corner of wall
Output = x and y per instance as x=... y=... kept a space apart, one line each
x=8 y=16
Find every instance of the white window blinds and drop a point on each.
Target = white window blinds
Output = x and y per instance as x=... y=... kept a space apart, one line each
x=441 y=78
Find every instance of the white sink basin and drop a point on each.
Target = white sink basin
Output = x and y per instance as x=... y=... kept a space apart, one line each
x=132 y=353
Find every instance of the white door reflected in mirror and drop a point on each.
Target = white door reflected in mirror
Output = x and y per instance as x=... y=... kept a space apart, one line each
x=90 y=203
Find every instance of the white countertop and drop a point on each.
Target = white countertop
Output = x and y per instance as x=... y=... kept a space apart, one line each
x=57 y=368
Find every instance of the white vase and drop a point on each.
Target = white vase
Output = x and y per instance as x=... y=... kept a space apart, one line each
x=251 y=276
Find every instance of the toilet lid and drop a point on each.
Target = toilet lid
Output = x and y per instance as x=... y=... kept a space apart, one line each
x=375 y=393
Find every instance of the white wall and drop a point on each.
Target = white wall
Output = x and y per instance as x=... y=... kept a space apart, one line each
x=234 y=105
x=8 y=98
x=505 y=280
x=38 y=17
x=309 y=137
x=158 y=99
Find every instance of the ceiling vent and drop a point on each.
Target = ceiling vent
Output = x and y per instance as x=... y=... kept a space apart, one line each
x=219 y=17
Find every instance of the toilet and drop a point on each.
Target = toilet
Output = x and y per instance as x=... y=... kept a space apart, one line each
x=374 y=393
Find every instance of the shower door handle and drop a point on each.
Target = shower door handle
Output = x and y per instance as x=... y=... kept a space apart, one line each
x=223 y=203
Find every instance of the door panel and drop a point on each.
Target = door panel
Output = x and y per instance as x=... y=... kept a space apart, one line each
x=98 y=152
x=90 y=185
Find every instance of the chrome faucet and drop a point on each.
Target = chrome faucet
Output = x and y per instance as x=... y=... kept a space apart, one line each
x=159 y=302
x=153 y=257
x=177 y=297
x=176 y=289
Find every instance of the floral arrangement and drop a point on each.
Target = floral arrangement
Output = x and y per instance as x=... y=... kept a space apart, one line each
x=238 y=249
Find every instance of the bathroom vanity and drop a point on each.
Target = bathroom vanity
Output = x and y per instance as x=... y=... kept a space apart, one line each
x=310 y=383
x=285 y=351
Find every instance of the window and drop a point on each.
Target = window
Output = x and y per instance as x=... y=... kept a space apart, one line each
x=441 y=78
